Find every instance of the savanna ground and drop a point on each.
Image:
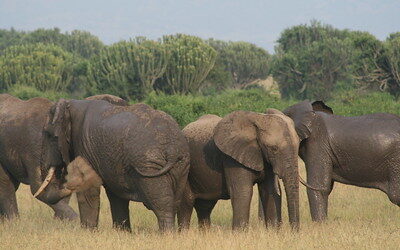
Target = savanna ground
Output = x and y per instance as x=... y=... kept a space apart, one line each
x=358 y=219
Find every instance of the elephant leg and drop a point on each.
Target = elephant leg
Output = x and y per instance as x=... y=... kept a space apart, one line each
x=8 y=199
x=89 y=207
x=270 y=202
x=394 y=186
x=318 y=200
x=63 y=211
x=185 y=208
x=239 y=181
x=119 y=211
x=203 y=210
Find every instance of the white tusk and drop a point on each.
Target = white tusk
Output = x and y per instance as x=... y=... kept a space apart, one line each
x=277 y=185
x=46 y=182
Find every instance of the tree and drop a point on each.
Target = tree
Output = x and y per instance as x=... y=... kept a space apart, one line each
x=113 y=72
x=190 y=62
x=151 y=59
x=310 y=60
x=9 y=38
x=246 y=62
x=367 y=59
x=82 y=43
x=45 y=67
x=219 y=77
x=391 y=65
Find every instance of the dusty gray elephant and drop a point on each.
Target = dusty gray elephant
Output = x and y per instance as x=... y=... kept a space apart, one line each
x=362 y=151
x=136 y=152
x=230 y=155
x=21 y=142
x=109 y=98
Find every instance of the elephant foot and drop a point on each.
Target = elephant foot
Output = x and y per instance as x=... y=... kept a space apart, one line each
x=69 y=215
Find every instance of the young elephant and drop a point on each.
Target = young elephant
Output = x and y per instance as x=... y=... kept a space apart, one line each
x=21 y=143
x=360 y=150
x=230 y=155
x=136 y=152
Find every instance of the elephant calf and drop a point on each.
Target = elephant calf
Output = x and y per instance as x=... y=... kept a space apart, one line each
x=229 y=155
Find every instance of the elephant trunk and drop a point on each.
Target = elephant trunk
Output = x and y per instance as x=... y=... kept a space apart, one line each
x=291 y=183
x=49 y=190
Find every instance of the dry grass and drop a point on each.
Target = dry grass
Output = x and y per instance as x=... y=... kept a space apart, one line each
x=358 y=218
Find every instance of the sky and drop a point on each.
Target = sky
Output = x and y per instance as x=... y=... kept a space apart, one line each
x=255 y=21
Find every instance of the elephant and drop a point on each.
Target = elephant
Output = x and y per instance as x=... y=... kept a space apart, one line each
x=137 y=153
x=109 y=98
x=21 y=144
x=229 y=155
x=362 y=150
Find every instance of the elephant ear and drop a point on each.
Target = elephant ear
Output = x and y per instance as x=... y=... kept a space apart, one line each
x=60 y=121
x=321 y=106
x=303 y=116
x=236 y=135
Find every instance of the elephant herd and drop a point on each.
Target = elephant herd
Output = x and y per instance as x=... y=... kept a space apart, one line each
x=140 y=154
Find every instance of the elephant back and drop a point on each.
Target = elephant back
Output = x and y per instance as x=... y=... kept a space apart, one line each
x=202 y=129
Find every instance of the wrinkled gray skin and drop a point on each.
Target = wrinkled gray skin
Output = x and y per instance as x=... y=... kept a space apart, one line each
x=21 y=142
x=230 y=155
x=363 y=151
x=139 y=153
x=21 y=137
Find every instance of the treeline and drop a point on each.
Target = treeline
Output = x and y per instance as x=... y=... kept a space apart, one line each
x=310 y=61
x=79 y=64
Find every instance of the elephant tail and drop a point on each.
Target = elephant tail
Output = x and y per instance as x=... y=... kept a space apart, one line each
x=160 y=172
x=309 y=186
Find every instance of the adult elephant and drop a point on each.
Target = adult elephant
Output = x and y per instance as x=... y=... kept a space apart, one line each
x=137 y=152
x=21 y=143
x=229 y=155
x=362 y=151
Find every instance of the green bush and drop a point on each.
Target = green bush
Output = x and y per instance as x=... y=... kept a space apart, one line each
x=359 y=102
x=187 y=108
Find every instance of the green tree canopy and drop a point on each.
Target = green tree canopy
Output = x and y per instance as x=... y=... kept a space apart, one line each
x=190 y=61
x=113 y=72
x=45 y=67
x=151 y=59
x=311 y=59
x=243 y=61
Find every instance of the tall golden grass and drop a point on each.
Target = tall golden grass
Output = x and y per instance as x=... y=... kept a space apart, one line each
x=358 y=219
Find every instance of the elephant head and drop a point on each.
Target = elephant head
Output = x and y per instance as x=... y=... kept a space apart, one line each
x=56 y=145
x=253 y=138
x=57 y=142
x=303 y=115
